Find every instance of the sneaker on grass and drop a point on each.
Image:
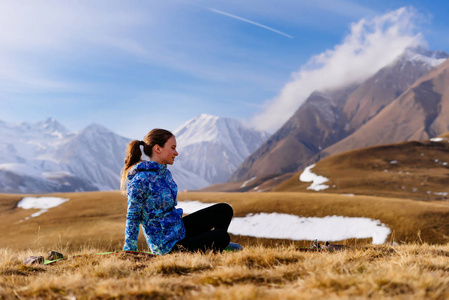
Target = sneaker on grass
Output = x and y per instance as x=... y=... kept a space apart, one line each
x=232 y=247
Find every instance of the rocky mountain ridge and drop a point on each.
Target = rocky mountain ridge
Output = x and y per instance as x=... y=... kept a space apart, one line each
x=329 y=117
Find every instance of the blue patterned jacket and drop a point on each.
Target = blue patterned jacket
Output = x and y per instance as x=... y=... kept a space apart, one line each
x=152 y=195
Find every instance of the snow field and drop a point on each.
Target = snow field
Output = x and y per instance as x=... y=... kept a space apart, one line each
x=285 y=226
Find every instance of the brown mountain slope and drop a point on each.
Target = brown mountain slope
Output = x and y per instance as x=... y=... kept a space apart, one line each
x=413 y=170
x=254 y=184
x=328 y=117
x=419 y=113
x=380 y=90
x=312 y=128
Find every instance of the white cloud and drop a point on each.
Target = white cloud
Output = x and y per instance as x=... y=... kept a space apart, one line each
x=370 y=45
x=41 y=38
x=54 y=25
x=43 y=43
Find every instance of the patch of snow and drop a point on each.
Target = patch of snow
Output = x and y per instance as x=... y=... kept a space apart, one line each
x=189 y=207
x=246 y=182
x=317 y=180
x=349 y=195
x=42 y=203
x=330 y=228
x=285 y=226
x=57 y=134
x=437 y=139
x=441 y=162
x=393 y=162
x=440 y=193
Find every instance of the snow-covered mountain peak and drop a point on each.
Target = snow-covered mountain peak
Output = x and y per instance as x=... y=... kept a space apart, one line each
x=97 y=132
x=50 y=123
x=199 y=129
x=94 y=127
x=422 y=55
x=25 y=141
x=51 y=127
x=44 y=131
x=209 y=128
x=207 y=117
x=213 y=147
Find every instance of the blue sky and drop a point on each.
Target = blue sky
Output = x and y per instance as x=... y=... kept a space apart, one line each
x=135 y=65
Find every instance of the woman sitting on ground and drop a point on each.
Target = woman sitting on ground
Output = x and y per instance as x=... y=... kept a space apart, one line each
x=152 y=193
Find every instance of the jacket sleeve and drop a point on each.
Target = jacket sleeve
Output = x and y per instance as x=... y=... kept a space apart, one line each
x=137 y=191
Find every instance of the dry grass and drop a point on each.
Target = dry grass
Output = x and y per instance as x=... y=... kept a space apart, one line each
x=401 y=272
x=274 y=269
x=97 y=219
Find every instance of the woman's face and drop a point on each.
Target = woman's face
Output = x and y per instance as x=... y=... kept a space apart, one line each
x=168 y=152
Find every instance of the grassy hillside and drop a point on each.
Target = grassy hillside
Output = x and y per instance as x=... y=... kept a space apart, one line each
x=381 y=272
x=408 y=266
x=98 y=218
x=412 y=170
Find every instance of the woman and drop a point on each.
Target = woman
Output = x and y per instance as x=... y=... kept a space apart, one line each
x=152 y=193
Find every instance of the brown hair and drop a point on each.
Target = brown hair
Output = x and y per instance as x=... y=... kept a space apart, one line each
x=133 y=153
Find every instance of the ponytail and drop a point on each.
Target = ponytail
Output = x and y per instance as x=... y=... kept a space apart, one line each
x=133 y=155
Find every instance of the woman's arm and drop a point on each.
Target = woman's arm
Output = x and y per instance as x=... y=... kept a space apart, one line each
x=137 y=192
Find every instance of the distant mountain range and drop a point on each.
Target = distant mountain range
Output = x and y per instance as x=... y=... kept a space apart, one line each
x=406 y=100
x=45 y=157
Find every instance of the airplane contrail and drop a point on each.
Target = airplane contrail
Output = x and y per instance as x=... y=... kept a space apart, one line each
x=250 y=22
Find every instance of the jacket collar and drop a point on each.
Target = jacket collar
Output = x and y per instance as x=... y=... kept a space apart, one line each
x=146 y=166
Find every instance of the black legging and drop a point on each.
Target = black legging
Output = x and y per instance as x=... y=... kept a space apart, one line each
x=207 y=229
